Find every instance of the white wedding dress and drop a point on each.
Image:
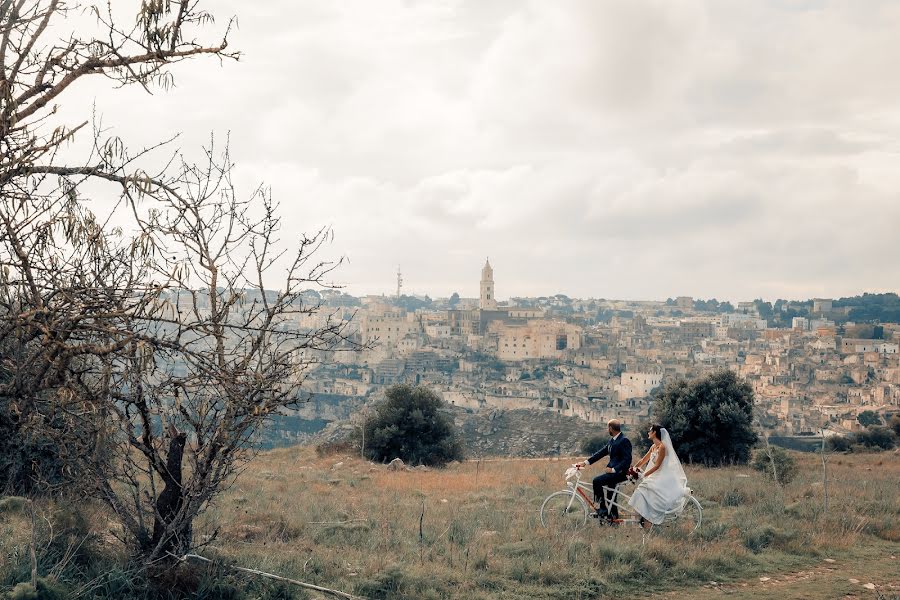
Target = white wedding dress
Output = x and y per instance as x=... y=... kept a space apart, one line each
x=665 y=489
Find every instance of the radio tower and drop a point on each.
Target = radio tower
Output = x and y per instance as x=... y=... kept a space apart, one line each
x=399 y=282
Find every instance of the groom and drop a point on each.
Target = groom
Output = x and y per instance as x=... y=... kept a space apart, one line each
x=619 y=451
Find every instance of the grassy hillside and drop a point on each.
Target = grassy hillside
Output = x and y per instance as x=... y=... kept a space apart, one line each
x=472 y=531
x=356 y=526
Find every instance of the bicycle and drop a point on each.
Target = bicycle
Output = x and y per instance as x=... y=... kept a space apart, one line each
x=570 y=507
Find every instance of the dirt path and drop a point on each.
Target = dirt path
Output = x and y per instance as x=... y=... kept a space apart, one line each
x=872 y=572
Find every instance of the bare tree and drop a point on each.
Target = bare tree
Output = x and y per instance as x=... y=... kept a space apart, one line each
x=151 y=353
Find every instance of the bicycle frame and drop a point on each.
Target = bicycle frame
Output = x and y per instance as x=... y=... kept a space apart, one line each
x=586 y=492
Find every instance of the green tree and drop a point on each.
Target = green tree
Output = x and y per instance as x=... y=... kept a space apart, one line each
x=594 y=443
x=454 y=300
x=883 y=308
x=764 y=309
x=711 y=305
x=709 y=418
x=409 y=425
x=412 y=304
x=868 y=418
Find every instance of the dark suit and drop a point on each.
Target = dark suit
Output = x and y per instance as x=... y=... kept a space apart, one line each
x=619 y=451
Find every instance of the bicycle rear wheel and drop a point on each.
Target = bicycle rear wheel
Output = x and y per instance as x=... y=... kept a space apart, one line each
x=688 y=520
x=564 y=511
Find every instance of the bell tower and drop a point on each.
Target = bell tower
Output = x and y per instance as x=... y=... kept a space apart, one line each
x=488 y=300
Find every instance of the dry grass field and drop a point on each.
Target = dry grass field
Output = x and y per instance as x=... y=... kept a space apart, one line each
x=473 y=531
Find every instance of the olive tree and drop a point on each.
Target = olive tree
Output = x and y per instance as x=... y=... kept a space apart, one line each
x=710 y=418
x=150 y=353
x=410 y=425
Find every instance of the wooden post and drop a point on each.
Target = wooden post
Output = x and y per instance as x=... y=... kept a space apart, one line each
x=422 y=534
x=824 y=471
x=362 y=446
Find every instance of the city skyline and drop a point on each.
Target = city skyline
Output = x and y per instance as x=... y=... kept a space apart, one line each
x=472 y=293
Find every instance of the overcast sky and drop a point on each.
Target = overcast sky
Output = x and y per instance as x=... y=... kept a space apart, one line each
x=621 y=149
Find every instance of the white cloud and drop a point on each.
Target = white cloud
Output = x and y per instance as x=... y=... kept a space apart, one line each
x=593 y=147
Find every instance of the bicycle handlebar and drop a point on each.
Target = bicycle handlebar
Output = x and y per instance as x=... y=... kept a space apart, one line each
x=573 y=472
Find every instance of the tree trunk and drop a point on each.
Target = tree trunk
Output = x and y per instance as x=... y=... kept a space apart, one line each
x=170 y=535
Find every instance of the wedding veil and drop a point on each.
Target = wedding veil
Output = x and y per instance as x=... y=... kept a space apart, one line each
x=671 y=465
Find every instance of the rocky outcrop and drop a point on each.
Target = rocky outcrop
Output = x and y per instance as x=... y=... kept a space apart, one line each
x=523 y=433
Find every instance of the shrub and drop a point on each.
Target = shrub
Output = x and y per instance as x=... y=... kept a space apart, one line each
x=895 y=425
x=333 y=447
x=758 y=539
x=709 y=418
x=41 y=441
x=47 y=589
x=282 y=591
x=12 y=504
x=409 y=425
x=840 y=443
x=877 y=438
x=785 y=465
x=733 y=497
x=593 y=444
x=28 y=456
x=386 y=584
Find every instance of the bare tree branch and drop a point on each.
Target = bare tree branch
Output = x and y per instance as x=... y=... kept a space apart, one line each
x=152 y=355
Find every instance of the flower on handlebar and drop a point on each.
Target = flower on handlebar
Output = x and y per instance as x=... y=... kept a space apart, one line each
x=634 y=474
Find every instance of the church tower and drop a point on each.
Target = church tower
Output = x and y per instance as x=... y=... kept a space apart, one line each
x=488 y=300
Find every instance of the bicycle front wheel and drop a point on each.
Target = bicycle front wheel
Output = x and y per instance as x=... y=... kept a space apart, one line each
x=564 y=511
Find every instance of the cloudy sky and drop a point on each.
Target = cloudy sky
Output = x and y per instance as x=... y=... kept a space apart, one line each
x=605 y=148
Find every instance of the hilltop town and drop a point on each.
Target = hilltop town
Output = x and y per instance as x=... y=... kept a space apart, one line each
x=812 y=367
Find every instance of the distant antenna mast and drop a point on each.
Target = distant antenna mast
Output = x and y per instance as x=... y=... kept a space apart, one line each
x=399 y=281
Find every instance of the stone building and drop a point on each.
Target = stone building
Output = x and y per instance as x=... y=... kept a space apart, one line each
x=535 y=339
x=387 y=326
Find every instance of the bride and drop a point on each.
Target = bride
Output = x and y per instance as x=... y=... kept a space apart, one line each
x=663 y=485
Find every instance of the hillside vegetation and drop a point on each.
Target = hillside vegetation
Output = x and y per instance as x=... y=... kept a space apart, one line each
x=472 y=531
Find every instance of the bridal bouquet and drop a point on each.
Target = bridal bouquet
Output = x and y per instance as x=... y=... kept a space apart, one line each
x=633 y=474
